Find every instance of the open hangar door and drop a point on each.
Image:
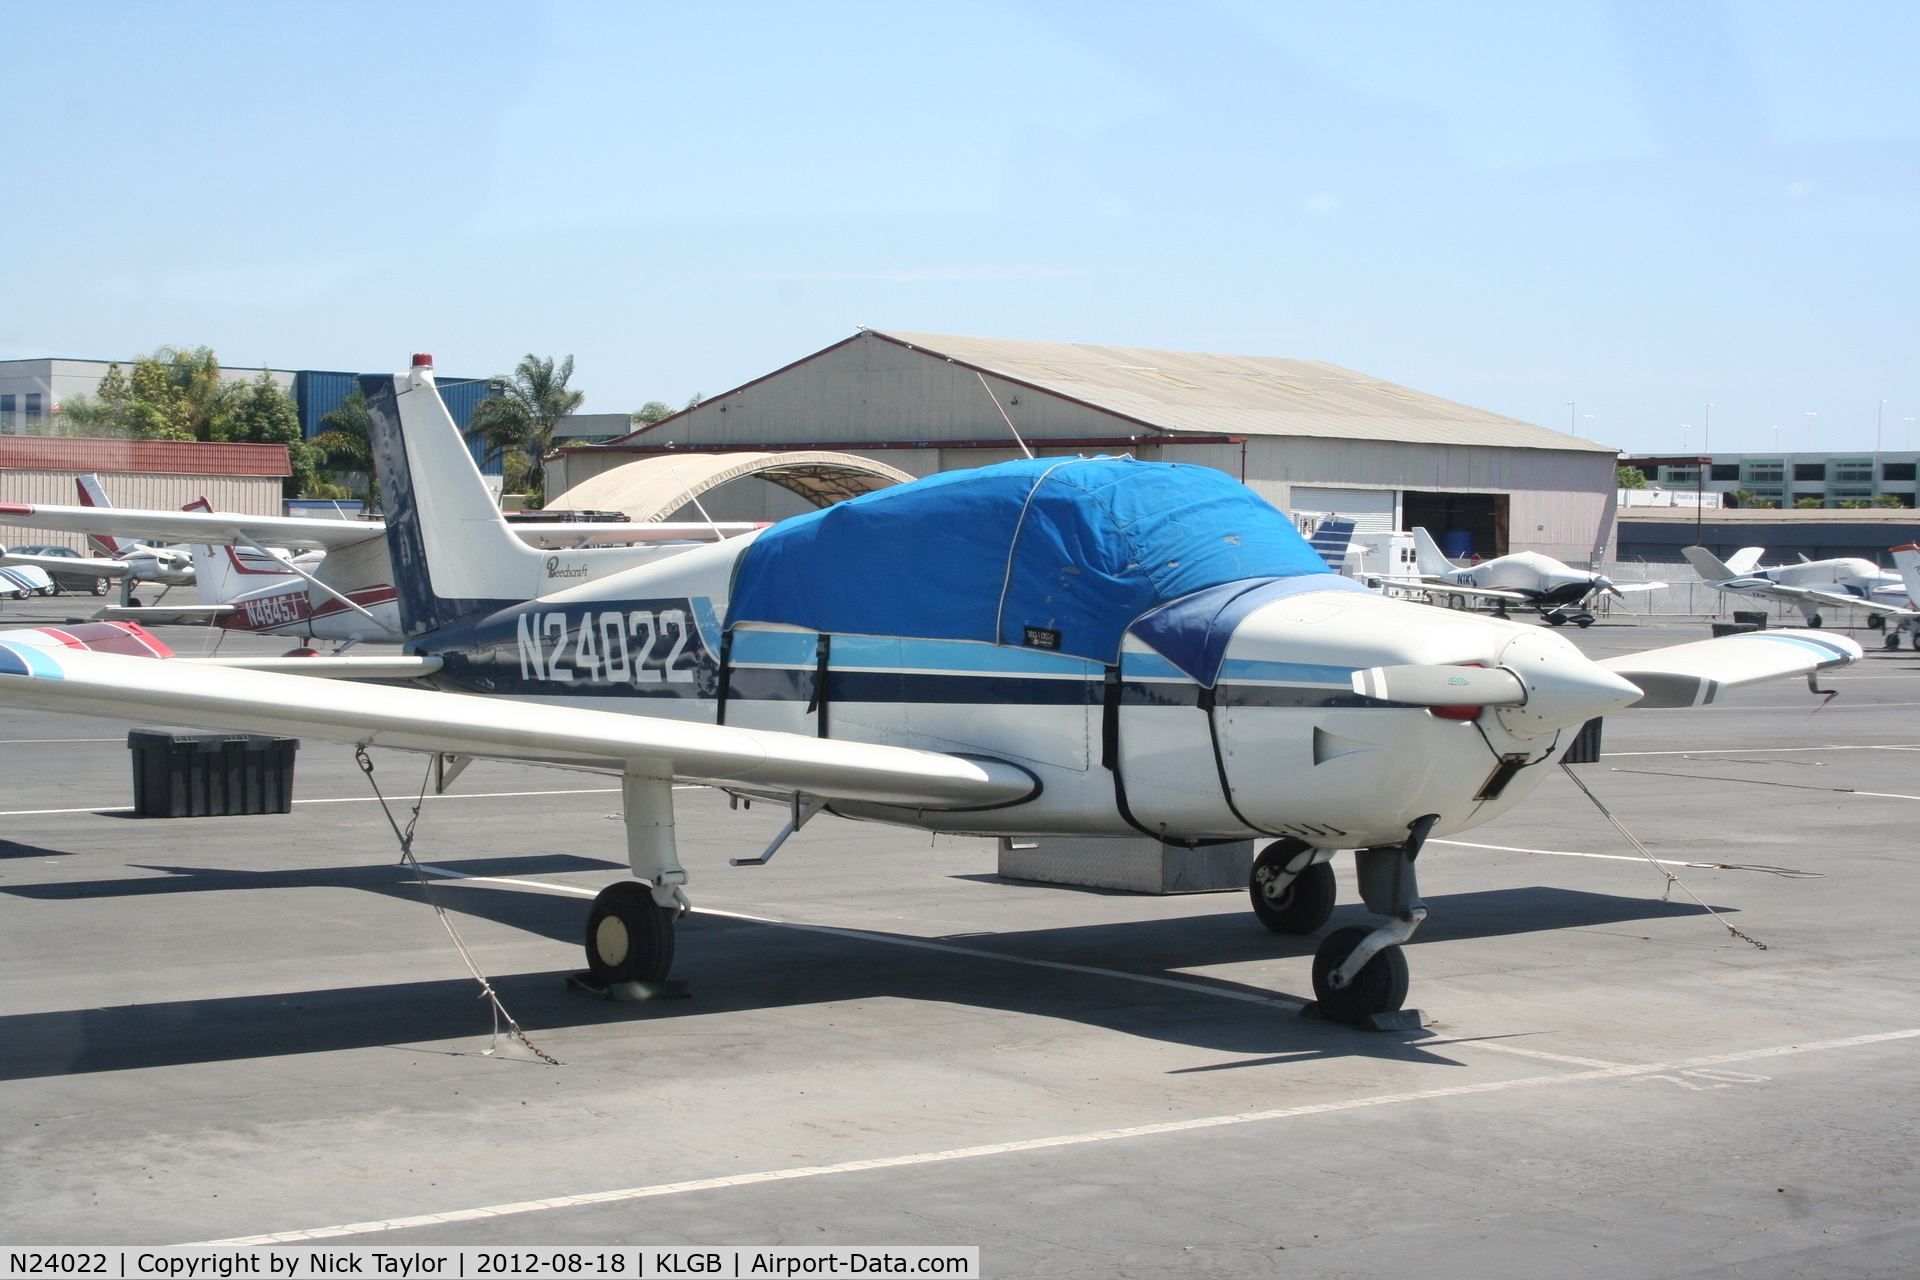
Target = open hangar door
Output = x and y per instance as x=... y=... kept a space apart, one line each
x=1478 y=519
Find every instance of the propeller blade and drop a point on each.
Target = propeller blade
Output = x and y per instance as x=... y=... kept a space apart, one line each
x=1435 y=686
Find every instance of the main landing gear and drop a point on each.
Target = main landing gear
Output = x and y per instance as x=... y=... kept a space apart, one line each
x=630 y=926
x=1558 y=618
x=1359 y=975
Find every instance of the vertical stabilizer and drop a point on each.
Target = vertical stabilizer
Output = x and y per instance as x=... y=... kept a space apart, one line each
x=92 y=494
x=454 y=555
x=1427 y=555
x=1907 y=560
x=1331 y=537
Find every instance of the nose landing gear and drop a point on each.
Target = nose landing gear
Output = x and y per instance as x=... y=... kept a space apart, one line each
x=1292 y=893
x=1360 y=976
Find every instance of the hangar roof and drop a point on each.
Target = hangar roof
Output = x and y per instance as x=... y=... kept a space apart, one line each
x=1241 y=395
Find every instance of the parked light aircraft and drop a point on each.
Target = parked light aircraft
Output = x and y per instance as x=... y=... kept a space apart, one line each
x=1560 y=592
x=1056 y=646
x=1847 y=582
x=339 y=586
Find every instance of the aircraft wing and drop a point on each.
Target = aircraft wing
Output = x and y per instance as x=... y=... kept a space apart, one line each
x=1806 y=595
x=86 y=683
x=218 y=528
x=1692 y=675
x=69 y=564
x=1624 y=587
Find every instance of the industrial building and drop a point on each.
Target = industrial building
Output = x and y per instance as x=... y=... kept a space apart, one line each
x=1310 y=437
x=1654 y=535
x=1784 y=479
x=31 y=392
x=156 y=474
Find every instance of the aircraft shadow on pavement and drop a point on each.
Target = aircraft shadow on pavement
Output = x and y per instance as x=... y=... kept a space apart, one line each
x=14 y=849
x=739 y=966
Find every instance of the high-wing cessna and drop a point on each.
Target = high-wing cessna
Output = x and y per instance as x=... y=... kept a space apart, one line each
x=338 y=587
x=1560 y=592
x=1848 y=582
x=1057 y=646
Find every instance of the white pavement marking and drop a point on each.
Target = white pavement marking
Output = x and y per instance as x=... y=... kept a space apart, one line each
x=1225 y=993
x=11 y=742
x=1756 y=751
x=1041 y=1144
x=1503 y=1047
x=1565 y=853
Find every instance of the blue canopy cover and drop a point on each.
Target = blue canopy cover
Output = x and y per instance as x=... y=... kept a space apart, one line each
x=1050 y=553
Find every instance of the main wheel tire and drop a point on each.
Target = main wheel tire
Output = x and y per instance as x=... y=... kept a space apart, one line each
x=1304 y=905
x=629 y=935
x=1583 y=623
x=1893 y=641
x=1814 y=621
x=1379 y=987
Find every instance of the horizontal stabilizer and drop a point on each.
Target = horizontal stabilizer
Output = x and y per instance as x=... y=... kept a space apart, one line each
x=183 y=615
x=1438 y=686
x=1691 y=675
x=1746 y=559
x=399 y=666
x=1709 y=566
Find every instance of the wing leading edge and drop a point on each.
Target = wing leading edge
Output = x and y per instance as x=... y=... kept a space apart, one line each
x=113 y=686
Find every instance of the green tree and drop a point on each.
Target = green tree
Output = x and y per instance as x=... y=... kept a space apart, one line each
x=259 y=412
x=347 y=445
x=1740 y=498
x=1854 y=504
x=1888 y=500
x=659 y=411
x=519 y=422
x=1630 y=478
x=1808 y=504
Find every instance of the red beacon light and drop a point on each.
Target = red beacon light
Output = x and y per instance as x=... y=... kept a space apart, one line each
x=422 y=360
x=1457 y=713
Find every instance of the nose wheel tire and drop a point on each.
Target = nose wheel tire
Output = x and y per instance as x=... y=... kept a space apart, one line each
x=1379 y=987
x=629 y=935
x=1304 y=904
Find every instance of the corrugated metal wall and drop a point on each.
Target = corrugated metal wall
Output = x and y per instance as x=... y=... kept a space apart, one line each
x=250 y=495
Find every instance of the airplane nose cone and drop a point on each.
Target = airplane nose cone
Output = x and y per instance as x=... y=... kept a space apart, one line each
x=1564 y=687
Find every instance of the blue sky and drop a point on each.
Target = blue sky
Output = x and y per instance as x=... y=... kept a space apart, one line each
x=1641 y=206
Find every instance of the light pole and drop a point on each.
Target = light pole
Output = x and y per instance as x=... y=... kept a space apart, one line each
x=1589 y=421
x=1776 y=442
x=1706 y=432
x=1684 y=428
x=1906 y=438
x=1810 y=418
x=1878 y=416
x=1570 y=408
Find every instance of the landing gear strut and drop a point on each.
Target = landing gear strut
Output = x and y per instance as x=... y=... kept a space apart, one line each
x=1291 y=891
x=1360 y=976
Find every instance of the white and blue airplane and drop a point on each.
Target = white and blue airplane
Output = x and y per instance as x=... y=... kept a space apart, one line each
x=1847 y=582
x=1050 y=647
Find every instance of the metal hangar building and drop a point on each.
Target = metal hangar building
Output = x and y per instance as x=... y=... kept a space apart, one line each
x=1310 y=437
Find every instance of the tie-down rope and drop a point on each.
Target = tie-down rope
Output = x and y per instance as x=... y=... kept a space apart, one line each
x=1657 y=865
x=405 y=838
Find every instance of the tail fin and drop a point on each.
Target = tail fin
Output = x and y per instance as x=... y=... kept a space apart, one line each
x=93 y=495
x=1428 y=558
x=1331 y=538
x=454 y=555
x=1746 y=559
x=1709 y=566
x=221 y=573
x=1907 y=560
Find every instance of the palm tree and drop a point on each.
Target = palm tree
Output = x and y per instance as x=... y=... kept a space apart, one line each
x=521 y=419
x=348 y=443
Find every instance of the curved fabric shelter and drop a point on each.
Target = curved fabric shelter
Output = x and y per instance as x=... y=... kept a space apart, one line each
x=654 y=488
x=1048 y=553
